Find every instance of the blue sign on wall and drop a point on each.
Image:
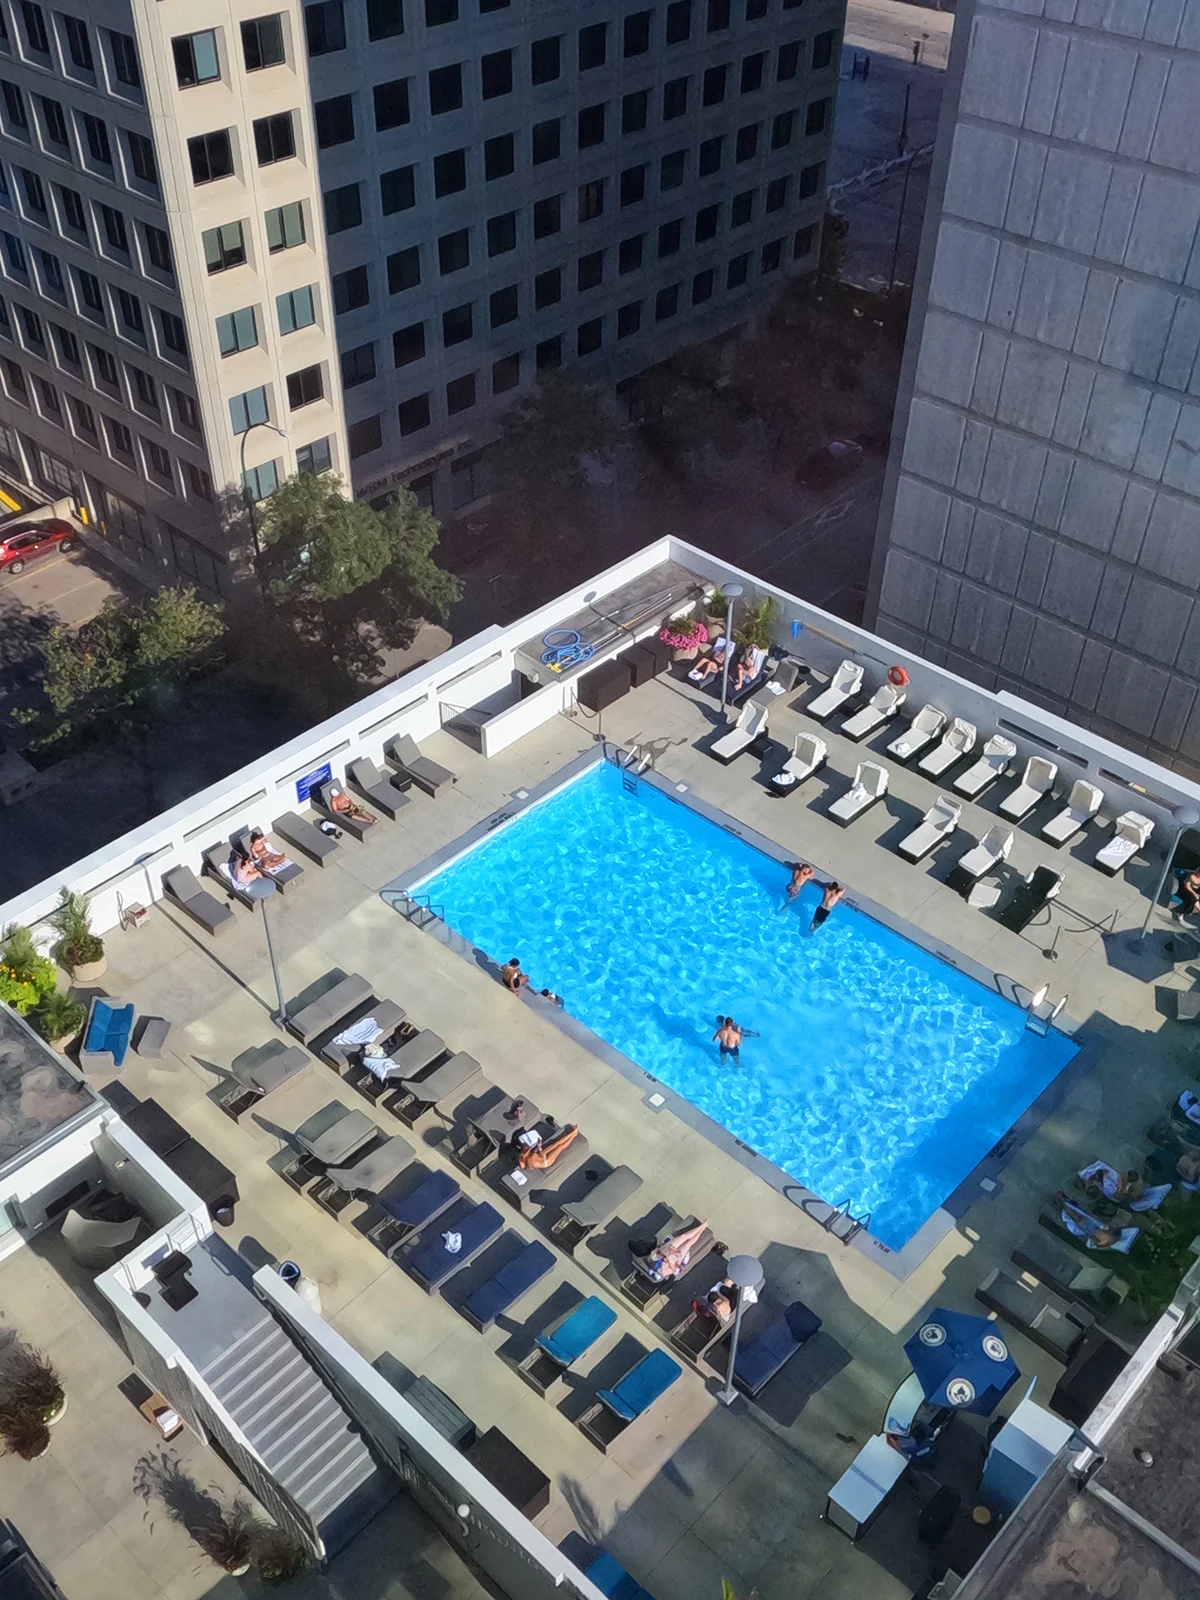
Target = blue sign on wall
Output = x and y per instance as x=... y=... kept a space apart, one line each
x=311 y=781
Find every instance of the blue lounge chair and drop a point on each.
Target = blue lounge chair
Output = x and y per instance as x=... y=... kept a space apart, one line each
x=106 y=1038
x=505 y=1288
x=563 y=1346
x=759 y=1360
x=637 y=1391
x=611 y=1579
x=417 y=1210
x=432 y=1265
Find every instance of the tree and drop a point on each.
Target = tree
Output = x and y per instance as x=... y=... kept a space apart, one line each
x=548 y=431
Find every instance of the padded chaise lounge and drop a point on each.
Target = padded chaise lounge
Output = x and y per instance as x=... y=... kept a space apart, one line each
x=846 y=681
x=387 y=1017
x=599 y=1206
x=284 y=877
x=880 y=708
x=984 y=857
x=433 y=1264
x=504 y=1288
x=1131 y=833
x=183 y=888
x=520 y=1187
x=1034 y=894
x=750 y=725
x=642 y=1387
x=404 y=1218
x=869 y=787
x=359 y=828
x=763 y=1357
x=557 y=1350
x=997 y=757
x=938 y=823
x=302 y=835
x=1082 y=805
x=403 y=754
x=921 y=731
x=327 y=1010
x=1036 y=783
x=957 y=741
x=808 y=756
x=375 y=787
x=416 y=1097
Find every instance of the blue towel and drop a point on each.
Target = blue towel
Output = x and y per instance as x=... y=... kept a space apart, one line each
x=579 y=1332
x=509 y=1284
x=427 y=1199
x=639 y=1389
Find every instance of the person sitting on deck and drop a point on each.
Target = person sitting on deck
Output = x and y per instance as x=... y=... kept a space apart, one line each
x=512 y=977
x=708 y=665
x=749 y=667
x=262 y=855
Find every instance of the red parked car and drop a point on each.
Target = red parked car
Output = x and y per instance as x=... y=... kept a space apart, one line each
x=28 y=540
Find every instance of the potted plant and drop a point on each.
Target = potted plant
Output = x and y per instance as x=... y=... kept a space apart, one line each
x=29 y=1383
x=24 y=1433
x=58 y=1018
x=26 y=977
x=228 y=1539
x=278 y=1557
x=79 y=950
x=757 y=623
x=685 y=635
x=716 y=612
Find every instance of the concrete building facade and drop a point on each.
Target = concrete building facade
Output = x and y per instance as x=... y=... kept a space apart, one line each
x=342 y=235
x=1040 y=530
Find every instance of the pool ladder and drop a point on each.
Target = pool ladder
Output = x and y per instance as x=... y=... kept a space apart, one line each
x=1041 y=1013
x=634 y=763
x=420 y=909
x=838 y=1220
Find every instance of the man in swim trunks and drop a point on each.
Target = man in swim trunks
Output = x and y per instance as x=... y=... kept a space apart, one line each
x=801 y=873
x=833 y=893
x=729 y=1037
x=512 y=977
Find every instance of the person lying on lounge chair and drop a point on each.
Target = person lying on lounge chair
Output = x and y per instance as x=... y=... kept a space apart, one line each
x=671 y=1257
x=1189 y=893
x=748 y=668
x=242 y=870
x=341 y=805
x=1124 y=1188
x=1094 y=1234
x=708 y=665
x=262 y=855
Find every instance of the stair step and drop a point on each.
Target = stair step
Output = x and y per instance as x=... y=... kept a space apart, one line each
x=246 y=1347
x=338 y=1487
x=247 y=1373
x=294 y=1387
x=306 y=1435
x=309 y=1476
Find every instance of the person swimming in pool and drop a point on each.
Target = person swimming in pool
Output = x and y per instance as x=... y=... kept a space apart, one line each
x=801 y=873
x=832 y=894
x=729 y=1037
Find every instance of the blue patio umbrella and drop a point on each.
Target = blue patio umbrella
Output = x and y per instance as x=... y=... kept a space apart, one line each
x=961 y=1362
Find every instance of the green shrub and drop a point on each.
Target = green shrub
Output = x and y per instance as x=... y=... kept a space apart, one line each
x=25 y=976
x=58 y=1015
x=77 y=945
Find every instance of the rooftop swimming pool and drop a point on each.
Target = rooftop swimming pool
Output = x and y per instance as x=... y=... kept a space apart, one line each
x=872 y=1071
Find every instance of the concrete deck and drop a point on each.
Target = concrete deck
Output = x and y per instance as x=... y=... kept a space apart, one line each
x=692 y=1492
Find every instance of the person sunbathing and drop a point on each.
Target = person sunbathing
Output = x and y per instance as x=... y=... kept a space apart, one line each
x=1123 y=1188
x=242 y=870
x=748 y=668
x=1082 y=1225
x=341 y=805
x=669 y=1258
x=262 y=855
x=708 y=666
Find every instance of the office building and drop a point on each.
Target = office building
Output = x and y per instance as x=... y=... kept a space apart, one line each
x=1041 y=523
x=342 y=235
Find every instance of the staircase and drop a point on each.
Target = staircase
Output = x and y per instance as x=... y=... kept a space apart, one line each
x=299 y=1431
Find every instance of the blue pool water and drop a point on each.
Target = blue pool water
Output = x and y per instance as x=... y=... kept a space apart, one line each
x=882 y=1075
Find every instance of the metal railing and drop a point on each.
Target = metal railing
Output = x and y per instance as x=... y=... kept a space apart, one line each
x=411 y=905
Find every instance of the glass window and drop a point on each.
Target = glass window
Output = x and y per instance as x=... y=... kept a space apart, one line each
x=351 y=289
x=408 y=344
x=145 y=388
x=174 y=334
x=804 y=242
x=247 y=410
x=710 y=157
x=776 y=194
x=334 y=120
x=445 y=89
x=506 y=374
x=637 y=33
x=262 y=42
x=224 y=247
x=718 y=15
x=590 y=271
x=54 y=122
x=457 y=325
x=363 y=437
x=324 y=27
x=274 y=138
x=713 y=91
x=747 y=142
x=185 y=409
x=706 y=223
x=120 y=440
x=816 y=118
x=499 y=156
x=315 y=457
x=675 y=97
x=629 y=319
x=14 y=382
x=772 y=255
x=503 y=305
x=396 y=190
x=295 y=309
x=633 y=185
x=545 y=63
x=547 y=216
x=211 y=156
x=391 y=104
x=104 y=368
x=679 y=21
x=385 y=19
x=546 y=144
x=79 y=44
x=738 y=272
x=404 y=269
x=548 y=354
x=158 y=463
x=789 y=61
x=125 y=60
x=73 y=215
x=666 y=303
x=629 y=257
x=449 y=173
x=84 y=419
x=671 y=170
x=34 y=22
x=14 y=252
x=96 y=137
x=358 y=365
x=752 y=72
x=439 y=12
x=35 y=195
x=633 y=111
x=465 y=481
x=810 y=180
x=460 y=394
x=823 y=47
x=755 y=10
x=32 y=335
x=198 y=481
x=261 y=481
x=496 y=74
x=304 y=387
x=238 y=331
x=454 y=251
x=702 y=286
x=141 y=157
x=343 y=208
x=14 y=105
x=502 y=233
x=547 y=288
x=593 y=46
x=591 y=200
x=114 y=229
x=670 y=237
x=130 y=310
x=413 y=414
x=741 y=209
x=196 y=59
x=50 y=405
x=68 y=347
x=591 y=126
x=285 y=227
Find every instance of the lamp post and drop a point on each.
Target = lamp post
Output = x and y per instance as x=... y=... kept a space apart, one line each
x=733 y=591
x=1185 y=818
x=247 y=497
x=261 y=890
x=746 y=1272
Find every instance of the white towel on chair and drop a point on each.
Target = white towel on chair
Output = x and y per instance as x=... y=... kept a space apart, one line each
x=365 y=1031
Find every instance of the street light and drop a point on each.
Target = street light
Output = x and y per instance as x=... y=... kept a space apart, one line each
x=746 y=1272
x=1185 y=818
x=261 y=890
x=247 y=497
x=733 y=591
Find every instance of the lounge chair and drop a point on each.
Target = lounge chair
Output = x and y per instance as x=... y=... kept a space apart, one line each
x=387 y=1017
x=302 y=835
x=1036 y=783
x=1131 y=833
x=218 y=865
x=504 y=1288
x=181 y=886
x=982 y=858
x=921 y=731
x=610 y=1577
x=253 y=1084
x=1042 y=1316
x=695 y=675
x=808 y=756
x=936 y=827
x=580 y=1218
x=401 y=1219
x=846 y=682
x=763 y=1357
x=375 y=787
x=641 y=1387
x=432 y=1264
x=373 y=1169
x=1034 y=893
x=648 y=1293
x=757 y=659
x=494 y=1128
x=521 y=1186
x=869 y=787
x=997 y=757
x=556 y=1351
x=750 y=725
x=106 y=1035
x=1050 y=1218
x=357 y=827
x=285 y=877
x=325 y=1012
x=957 y=741
x=880 y=708
x=1082 y=805
x=416 y=1097
x=1059 y=1268
x=403 y=754
x=329 y=1138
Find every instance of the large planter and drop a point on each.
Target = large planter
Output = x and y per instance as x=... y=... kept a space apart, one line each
x=89 y=971
x=716 y=627
x=58 y=1413
x=689 y=654
x=64 y=1041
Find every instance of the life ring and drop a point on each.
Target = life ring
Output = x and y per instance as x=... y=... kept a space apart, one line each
x=898 y=677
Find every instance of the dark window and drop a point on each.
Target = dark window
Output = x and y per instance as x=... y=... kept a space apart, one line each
x=454 y=251
x=141 y=157
x=816 y=117
x=15 y=380
x=776 y=194
x=35 y=200
x=72 y=210
x=324 y=27
x=502 y=306
x=211 y=156
x=174 y=334
x=789 y=61
x=119 y=437
x=824 y=44
x=633 y=185
x=629 y=257
x=196 y=59
x=285 y=227
x=710 y=156
x=351 y=289
x=14 y=250
x=590 y=271
x=132 y=320
x=675 y=95
x=496 y=74
x=14 y=105
x=633 y=111
x=629 y=319
x=445 y=89
x=32 y=324
x=706 y=223
x=499 y=156
x=385 y=19
x=803 y=242
x=85 y=421
x=79 y=45
x=670 y=237
x=544 y=60
x=391 y=104
x=104 y=367
x=115 y=230
x=358 y=365
x=747 y=142
x=810 y=180
x=702 y=286
x=493 y=5
x=593 y=46
x=89 y=292
x=637 y=33
x=262 y=43
x=363 y=437
x=396 y=190
x=275 y=138
x=718 y=15
x=547 y=288
x=334 y=119
x=666 y=303
x=68 y=347
x=97 y=140
x=548 y=354
x=413 y=414
x=55 y=122
x=591 y=200
x=460 y=394
x=408 y=344
x=755 y=10
x=589 y=336
x=739 y=271
x=439 y=12
x=546 y=140
x=591 y=126
x=772 y=255
x=343 y=208
x=449 y=173
x=715 y=79
x=741 y=209
x=502 y=233
x=458 y=325
x=547 y=216
x=752 y=72
x=506 y=374
x=315 y=457
x=36 y=36
x=671 y=170
x=404 y=269
x=679 y=21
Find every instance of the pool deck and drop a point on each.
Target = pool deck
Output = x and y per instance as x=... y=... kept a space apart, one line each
x=693 y=1492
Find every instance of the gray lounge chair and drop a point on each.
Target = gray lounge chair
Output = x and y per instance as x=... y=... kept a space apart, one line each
x=255 y=1083
x=648 y=1293
x=416 y=1054
x=580 y=1218
x=284 y=877
x=359 y=828
x=520 y=1187
x=324 y=1013
x=297 y=831
x=1054 y=1323
x=418 y=1096
x=387 y=1016
x=493 y=1129
x=374 y=1169
x=216 y=866
x=335 y=1133
x=375 y=787
x=402 y=752
x=183 y=888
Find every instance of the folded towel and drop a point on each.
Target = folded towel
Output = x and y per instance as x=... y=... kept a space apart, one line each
x=364 y=1031
x=380 y=1067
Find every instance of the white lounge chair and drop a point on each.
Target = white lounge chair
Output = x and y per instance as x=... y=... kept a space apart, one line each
x=750 y=724
x=1082 y=805
x=1131 y=833
x=808 y=755
x=1036 y=783
x=869 y=787
x=992 y=849
x=957 y=741
x=882 y=705
x=922 y=730
x=997 y=756
x=938 y=823
x=846 y=681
